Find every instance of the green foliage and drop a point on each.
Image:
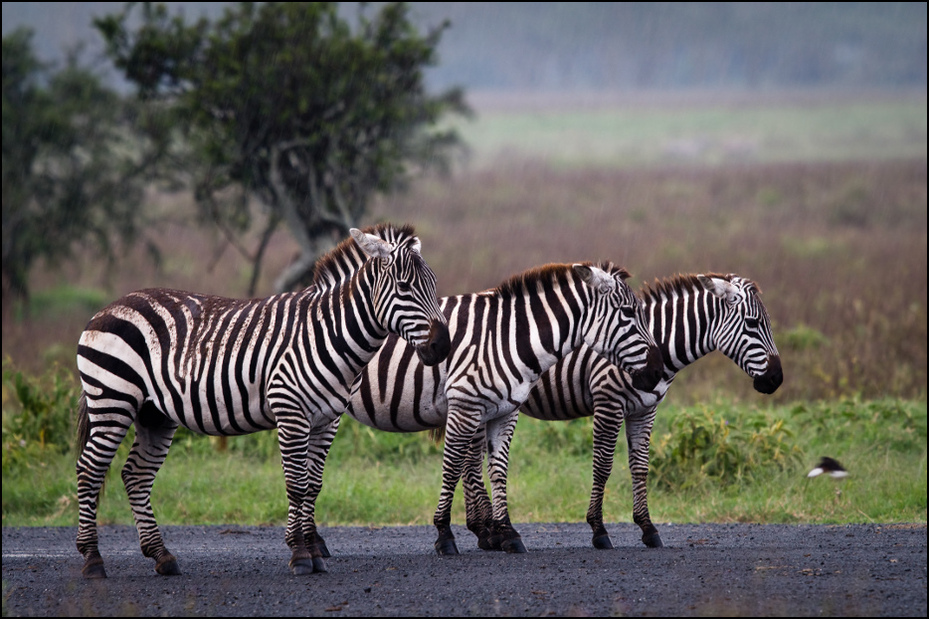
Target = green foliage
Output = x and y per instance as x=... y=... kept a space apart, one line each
x=721 y=448
x=56 y=302
x=802 y=337
x=287 y=102
x=885 y=425
x=37 y=415
x=570 y=439
x=356 y=440
x=72 y=166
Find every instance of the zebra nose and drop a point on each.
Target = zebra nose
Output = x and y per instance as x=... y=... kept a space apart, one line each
x=772 y=378
x=437 y=347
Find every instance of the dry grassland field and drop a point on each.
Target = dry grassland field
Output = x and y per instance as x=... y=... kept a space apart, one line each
x=820 y=200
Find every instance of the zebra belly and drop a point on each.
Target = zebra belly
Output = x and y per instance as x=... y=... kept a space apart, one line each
x=211 y=415
x=406 y=413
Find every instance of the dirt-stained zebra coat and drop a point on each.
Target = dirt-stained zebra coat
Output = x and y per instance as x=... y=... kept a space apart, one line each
x=161 y=358
x=503 y=339
x=689 y=316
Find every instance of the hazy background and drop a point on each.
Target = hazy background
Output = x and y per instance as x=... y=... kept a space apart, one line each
x=554 y=47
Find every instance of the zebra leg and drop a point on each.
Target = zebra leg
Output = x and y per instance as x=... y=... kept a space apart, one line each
x=321 y=438
x=459 y=432
x=607 y=422
x=293 y=436
x=92 y=464
x=499 y=435
x=478 y=509
x=638 y=436
x=154 y=433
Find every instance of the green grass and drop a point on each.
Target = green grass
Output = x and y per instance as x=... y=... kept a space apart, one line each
x=640 y=134
x=752 y=467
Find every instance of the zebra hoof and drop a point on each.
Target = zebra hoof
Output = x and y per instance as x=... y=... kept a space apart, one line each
x=302 y=567
x=603 y=542
x=652 y=540
x=167 y=566
x=93 y=568
x=323 y=549
x=446 y=547
x=514 y=546
x=489 y=543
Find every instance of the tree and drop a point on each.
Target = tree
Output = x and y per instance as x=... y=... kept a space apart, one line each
x=290 y=104
x=73 y=170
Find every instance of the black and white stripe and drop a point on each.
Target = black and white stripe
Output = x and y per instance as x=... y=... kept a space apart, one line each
x=162 y=358
x=689 y=316
x=503 y=339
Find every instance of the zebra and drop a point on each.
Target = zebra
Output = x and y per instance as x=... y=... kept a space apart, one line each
x=689 y=316
x=503 y=339
x=160 y=358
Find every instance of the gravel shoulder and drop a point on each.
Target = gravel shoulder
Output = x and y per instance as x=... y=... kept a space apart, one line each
x=705 y=569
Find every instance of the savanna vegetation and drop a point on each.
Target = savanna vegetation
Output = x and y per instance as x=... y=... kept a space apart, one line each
x=837 y=245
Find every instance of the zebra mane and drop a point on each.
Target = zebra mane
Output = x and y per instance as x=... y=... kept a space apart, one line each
x=530 y=279
x=678 y=284
x=338 y=266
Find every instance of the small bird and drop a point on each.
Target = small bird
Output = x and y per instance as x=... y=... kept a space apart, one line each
x=829 y=466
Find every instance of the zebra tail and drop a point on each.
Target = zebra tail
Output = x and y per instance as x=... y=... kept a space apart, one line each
x=437 y=435
x=83 y=425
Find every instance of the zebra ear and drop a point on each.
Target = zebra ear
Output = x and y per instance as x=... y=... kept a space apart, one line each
x=596 y=278
x=718 y=287
x=374 y=246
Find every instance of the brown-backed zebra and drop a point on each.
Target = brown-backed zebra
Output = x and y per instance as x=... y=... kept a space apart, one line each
x=161 y=358
x=689 y=316
x=503 y=339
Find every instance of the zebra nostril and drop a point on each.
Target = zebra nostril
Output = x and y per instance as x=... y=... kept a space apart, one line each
x=437 y=347
x=771 y=380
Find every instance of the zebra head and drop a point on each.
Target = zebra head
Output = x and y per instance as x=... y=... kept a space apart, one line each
x=404 y=292
x=743 y=330
x=619 y=327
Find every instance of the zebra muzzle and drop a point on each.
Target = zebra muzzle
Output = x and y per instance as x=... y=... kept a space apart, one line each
x=437 y=347
x=772 y=378
x=648 y=377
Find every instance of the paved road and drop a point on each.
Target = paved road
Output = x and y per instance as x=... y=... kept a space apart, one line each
x=714 y=570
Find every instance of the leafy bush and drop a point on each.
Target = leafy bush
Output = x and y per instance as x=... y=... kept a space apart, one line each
x=37 y=414
x=705 y=446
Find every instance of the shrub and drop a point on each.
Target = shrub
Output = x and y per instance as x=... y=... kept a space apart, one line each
x=704 y=446
x=38 y=413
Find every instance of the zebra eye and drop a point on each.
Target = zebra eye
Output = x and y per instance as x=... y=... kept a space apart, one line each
x=628 y=311
x=404 y=286
x=751 y=323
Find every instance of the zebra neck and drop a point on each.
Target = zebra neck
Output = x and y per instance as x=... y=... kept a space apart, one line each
x=549 y=324
x=683 y=326
x=345 y=321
